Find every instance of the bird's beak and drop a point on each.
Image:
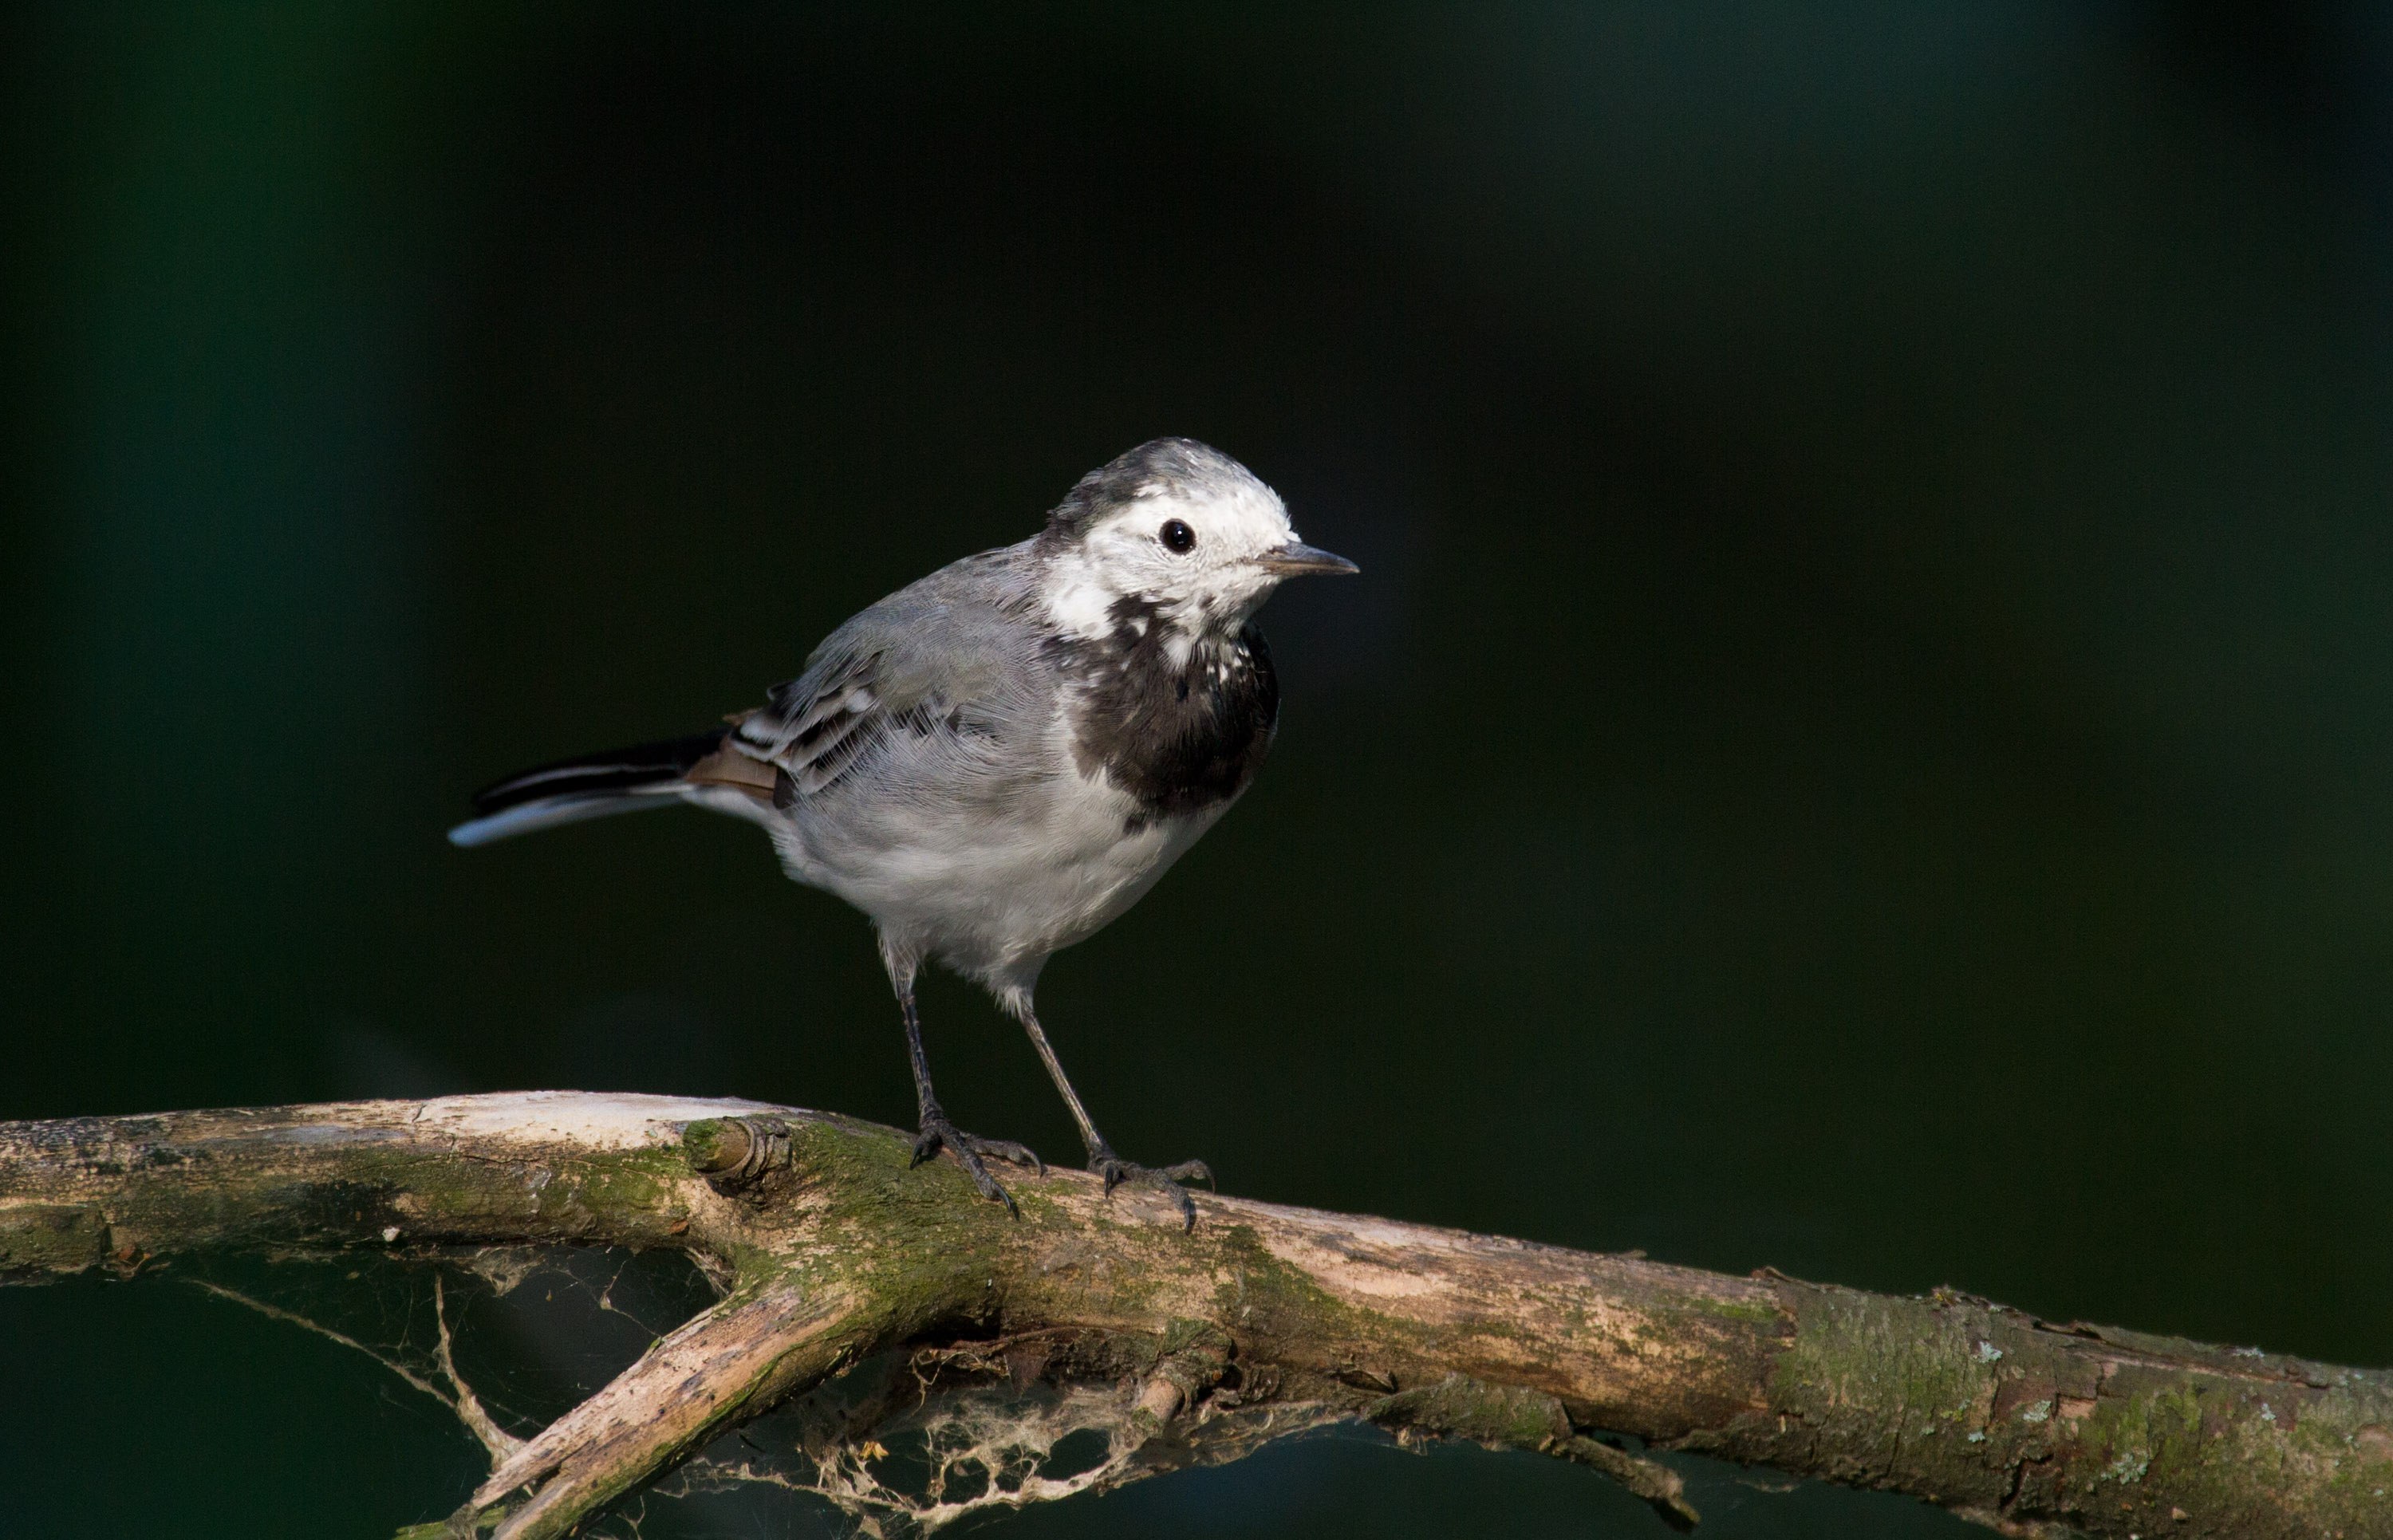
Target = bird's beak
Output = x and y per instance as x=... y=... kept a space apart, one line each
x=1296 y=559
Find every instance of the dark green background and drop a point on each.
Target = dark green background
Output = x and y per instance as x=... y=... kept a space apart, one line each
x=1865 y=743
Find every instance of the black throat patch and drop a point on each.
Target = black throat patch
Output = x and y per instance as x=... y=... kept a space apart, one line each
x=1181 y=737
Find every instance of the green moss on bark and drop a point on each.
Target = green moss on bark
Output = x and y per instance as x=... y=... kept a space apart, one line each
x=42 y=1238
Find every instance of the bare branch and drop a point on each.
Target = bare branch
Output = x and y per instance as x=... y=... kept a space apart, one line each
x=501 y=1443
x=831 y=1254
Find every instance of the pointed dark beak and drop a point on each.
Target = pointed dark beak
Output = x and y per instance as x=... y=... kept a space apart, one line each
x=1297 y=560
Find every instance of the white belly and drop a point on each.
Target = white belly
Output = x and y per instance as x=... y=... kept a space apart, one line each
x=990 y=886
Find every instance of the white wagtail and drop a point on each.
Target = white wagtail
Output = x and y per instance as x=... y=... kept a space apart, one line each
x=994 y=763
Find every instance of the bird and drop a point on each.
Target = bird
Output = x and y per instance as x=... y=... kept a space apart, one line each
x=998 y=761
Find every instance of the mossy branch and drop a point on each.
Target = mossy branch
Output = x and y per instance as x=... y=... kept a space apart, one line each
x=828 y=1251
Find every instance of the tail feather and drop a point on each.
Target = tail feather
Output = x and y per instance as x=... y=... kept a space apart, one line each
x=595 y=786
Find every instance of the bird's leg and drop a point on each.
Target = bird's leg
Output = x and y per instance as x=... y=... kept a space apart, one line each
x=932 y=1129
x=1101 y=1159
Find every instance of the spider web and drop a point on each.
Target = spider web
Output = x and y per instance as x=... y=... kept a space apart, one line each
x=904 y=1444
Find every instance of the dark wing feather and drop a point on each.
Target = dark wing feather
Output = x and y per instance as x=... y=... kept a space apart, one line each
x=948 y=656
x=817 y=726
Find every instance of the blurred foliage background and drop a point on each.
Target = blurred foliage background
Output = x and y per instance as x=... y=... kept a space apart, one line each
x=1863 y=743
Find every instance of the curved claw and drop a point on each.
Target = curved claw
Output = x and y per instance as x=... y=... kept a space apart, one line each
x=973 y=1144
x=1116 y=1170
x=936 y=1132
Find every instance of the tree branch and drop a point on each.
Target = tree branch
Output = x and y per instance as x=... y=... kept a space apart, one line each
x=828 y=1254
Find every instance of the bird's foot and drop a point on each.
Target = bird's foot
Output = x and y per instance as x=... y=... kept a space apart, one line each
x=1116 y=1170
x=971 y=1149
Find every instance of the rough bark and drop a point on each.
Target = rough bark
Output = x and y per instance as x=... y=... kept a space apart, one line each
x=828 y=1251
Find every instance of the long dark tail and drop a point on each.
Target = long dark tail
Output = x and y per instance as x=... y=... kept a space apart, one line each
x=623 y=780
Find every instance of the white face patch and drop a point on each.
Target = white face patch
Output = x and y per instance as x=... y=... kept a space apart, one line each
x=1078 y=600
x=1212 y=585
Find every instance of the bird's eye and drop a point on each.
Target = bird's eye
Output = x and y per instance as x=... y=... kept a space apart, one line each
x=1177 y=537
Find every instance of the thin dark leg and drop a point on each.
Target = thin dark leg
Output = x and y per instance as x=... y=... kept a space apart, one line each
x=926 y=1100
x=1101 y=1159
x=933 y=1129
x=1089 y=1134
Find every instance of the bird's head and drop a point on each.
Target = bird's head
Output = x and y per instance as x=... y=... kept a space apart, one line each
x=1178 y=529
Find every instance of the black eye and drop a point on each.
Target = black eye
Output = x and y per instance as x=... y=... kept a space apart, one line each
x=1177 y=537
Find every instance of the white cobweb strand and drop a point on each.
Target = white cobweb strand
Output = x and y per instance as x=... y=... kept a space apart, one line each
x=990 y=1448
x=1000 y=1447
